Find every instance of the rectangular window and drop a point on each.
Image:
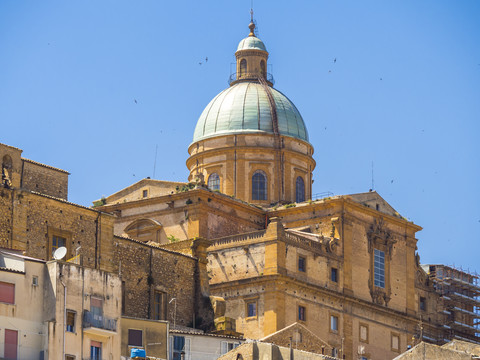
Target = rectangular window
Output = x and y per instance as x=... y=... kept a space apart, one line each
x=69 y=357
x=228 y=346
x=333 y=323
x=70 y=321
x=363 y=333
x=379 y=268
x=7 y=293
x=145 y=193
x=159 y=305
x=57 y=241
x=334 y=275
x=251 y=308
x=135 y=337
x=302 y=313
x=11 y=344
x=96 y=308
x=35 y=280
x=423 y=304
x=179 y=345
x=395 y=342
x=302 y=262
x=95 y=350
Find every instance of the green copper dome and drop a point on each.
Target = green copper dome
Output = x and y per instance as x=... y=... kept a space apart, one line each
x=251 y=43
x=244 y=109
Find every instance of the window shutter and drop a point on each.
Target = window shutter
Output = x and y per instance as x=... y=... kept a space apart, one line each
x=187 y=349
x=224 y=347
x=7 y=293
x=170 y=345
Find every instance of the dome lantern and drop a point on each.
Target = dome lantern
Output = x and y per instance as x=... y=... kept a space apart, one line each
x=252 y=59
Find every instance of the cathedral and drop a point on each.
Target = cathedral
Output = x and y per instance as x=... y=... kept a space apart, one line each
x=242 y=246
x=342 y=269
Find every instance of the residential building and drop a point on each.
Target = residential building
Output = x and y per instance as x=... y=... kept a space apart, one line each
x=23 y=330
x=150 y=335
x=198 y=345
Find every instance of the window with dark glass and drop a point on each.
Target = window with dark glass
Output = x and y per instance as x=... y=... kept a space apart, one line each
x=379 y=268
x=262 y=67
x=145 y=193
x=423 y=303
x=259 y=186
x=333 y=323
x=178 y=347
x=214 y=182
x=70 y=321
x=95 y=350
x=334 y=274
x=243 y=67
x=57 y=241
x=302 y=264
x=96 y=308
x=300 y=190
x=251 y=308
x=302 y=313
x=135 y=337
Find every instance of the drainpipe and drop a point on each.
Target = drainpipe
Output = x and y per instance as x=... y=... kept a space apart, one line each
x=64 y=311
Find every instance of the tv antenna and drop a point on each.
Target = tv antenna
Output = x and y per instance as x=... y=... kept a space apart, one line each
x=60 y=253
x=155 y=162
x=373 y=183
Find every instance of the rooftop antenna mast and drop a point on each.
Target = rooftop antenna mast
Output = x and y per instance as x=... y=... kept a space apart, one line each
x=155 y=161
x=373 y=184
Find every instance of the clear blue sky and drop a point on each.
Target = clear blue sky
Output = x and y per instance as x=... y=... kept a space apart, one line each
x=403 y=93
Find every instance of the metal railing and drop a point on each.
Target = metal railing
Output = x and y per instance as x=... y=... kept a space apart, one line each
x=250 y=76
x=98 y=321
x=322 y=195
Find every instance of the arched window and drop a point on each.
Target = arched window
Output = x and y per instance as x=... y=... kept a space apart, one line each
x=300 y=190
x=243 y=67
x=259 y=186
x=262 y=68
x=214 y=182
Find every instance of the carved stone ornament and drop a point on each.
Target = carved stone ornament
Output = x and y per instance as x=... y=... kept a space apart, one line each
x=379 y=235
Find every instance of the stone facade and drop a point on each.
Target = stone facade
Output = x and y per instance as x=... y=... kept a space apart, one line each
x=36 y=223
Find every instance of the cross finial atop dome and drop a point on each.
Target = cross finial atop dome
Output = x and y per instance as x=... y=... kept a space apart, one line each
x=251 y=26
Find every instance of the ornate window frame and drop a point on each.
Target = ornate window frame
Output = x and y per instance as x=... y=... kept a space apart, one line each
x=380 y=238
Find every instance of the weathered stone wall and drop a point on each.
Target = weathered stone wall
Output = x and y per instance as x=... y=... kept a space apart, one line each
x=6 y=219
x=39 y=218
x=44 y=179
x=145 y=269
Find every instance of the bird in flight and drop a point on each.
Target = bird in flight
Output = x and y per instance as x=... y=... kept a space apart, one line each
x=135 y=101
x=334 y=60
x=206 y=59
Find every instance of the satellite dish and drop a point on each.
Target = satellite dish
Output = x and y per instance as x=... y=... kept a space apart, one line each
x=60 y=253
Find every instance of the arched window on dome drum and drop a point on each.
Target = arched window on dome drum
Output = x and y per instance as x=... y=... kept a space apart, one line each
x=262 y=68
x=300 y=190
x=243 y=67
x=214 y=182
x=259 y=186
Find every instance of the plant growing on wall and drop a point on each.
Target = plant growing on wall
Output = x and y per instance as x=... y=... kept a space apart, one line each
x=172 y=238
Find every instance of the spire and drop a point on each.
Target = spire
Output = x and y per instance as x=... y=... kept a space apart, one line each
x=251 y=26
